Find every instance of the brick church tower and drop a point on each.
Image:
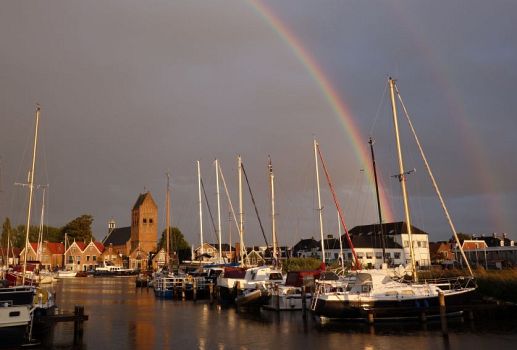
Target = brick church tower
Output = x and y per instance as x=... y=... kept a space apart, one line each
x=144 y=223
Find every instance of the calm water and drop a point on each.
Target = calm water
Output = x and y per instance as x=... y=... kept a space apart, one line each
x=123 y=317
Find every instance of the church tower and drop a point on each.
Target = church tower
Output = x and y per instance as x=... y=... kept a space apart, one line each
x=144 y=223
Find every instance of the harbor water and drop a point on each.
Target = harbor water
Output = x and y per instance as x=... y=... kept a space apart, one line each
x=124 y=317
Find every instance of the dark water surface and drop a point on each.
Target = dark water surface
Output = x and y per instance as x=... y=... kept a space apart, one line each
x=124 y=317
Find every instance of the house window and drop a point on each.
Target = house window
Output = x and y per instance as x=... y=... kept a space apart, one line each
x=87 y=258
x=70 y=259
x=419 y=244
x=150 y=221
x=397 y=255
x=406 y=244
x=145 y=221
x=78 y=259
x=360 y=255
x=369 y=255
x=94 y=258
x=424 y=244
x=378 y=255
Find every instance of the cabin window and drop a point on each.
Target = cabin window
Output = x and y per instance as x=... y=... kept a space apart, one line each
x=14 y=313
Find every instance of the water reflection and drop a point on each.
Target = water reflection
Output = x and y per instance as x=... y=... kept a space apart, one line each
x=130 y=318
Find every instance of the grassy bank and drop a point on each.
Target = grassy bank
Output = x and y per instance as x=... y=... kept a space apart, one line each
x=501 y=285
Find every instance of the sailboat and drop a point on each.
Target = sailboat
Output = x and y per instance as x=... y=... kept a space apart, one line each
x=22 y=303
x=373 y=294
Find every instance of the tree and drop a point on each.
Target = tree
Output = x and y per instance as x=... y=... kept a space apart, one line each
x=177 y=240
x=79 y=228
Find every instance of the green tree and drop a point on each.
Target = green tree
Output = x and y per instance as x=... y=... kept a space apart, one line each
x=177 y=240
x=301 y=264
x=79 y=228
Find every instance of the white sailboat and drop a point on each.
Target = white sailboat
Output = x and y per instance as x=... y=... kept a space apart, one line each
x=373 y=294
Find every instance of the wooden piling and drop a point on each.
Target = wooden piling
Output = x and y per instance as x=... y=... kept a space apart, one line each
x=78 y=324
x=183 y=288
x=371 y=318
x=423 y=317
x=211 y=292
x=304 y=302
x=194 y=289
x=443 y=315
x=277 y=293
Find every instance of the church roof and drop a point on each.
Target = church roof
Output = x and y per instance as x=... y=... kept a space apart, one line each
x=141 y=198
x=118 y=236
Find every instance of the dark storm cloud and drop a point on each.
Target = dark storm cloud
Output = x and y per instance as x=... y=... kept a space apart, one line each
x=131 y=89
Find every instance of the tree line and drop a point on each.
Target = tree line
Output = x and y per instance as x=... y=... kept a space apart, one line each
x=79 y=229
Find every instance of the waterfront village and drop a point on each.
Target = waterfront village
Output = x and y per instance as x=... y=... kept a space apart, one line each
x=134 y=247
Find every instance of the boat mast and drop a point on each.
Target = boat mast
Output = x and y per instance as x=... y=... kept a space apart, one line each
x=435 y=184
x=273 y=223
x=320 y=209
x=200 y=206
x=31 y=188
x=383 y=241
x=218 y=210
x=340 y=212
x=402 y=179
x=340 y=242
x=40 y=231
x=167 y=221
x=241 y=210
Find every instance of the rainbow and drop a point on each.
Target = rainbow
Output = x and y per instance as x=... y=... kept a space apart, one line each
x=329 y=92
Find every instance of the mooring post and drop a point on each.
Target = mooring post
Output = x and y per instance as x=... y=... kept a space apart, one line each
x=423 y=317
x=183 y=288
x=277 y=293
x=371 y=318
x=194 y=289
x=211 y=292
x=443 y=315
x=304 y=301
x=78 y=324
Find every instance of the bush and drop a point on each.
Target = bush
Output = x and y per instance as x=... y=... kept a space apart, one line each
x=301 y=264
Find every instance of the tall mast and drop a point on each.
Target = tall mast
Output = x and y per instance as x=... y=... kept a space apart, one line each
x=241 y=211
x=402 y=178
x=340 y=242
x=167 y=221
x=40 y=231
x=383 y=241
x=273 y=223
x=218 y=210
x=200 y=206
x=320 y=209
x=31 y=188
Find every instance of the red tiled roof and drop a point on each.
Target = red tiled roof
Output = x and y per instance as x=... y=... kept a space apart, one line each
x=56 y=247
x=99 y=246
x=81 y=245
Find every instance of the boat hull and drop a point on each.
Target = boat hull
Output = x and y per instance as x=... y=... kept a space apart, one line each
x=411 y=308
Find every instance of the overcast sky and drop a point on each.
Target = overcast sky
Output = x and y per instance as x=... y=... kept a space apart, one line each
x=132 y=89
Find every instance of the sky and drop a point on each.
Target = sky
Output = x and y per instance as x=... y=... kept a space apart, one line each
x=130 y=90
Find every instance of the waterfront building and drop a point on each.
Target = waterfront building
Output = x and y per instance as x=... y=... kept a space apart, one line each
x=83 y=257
x=50 y=256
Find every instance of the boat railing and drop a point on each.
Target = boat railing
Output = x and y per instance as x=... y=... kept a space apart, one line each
x=452 y=283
